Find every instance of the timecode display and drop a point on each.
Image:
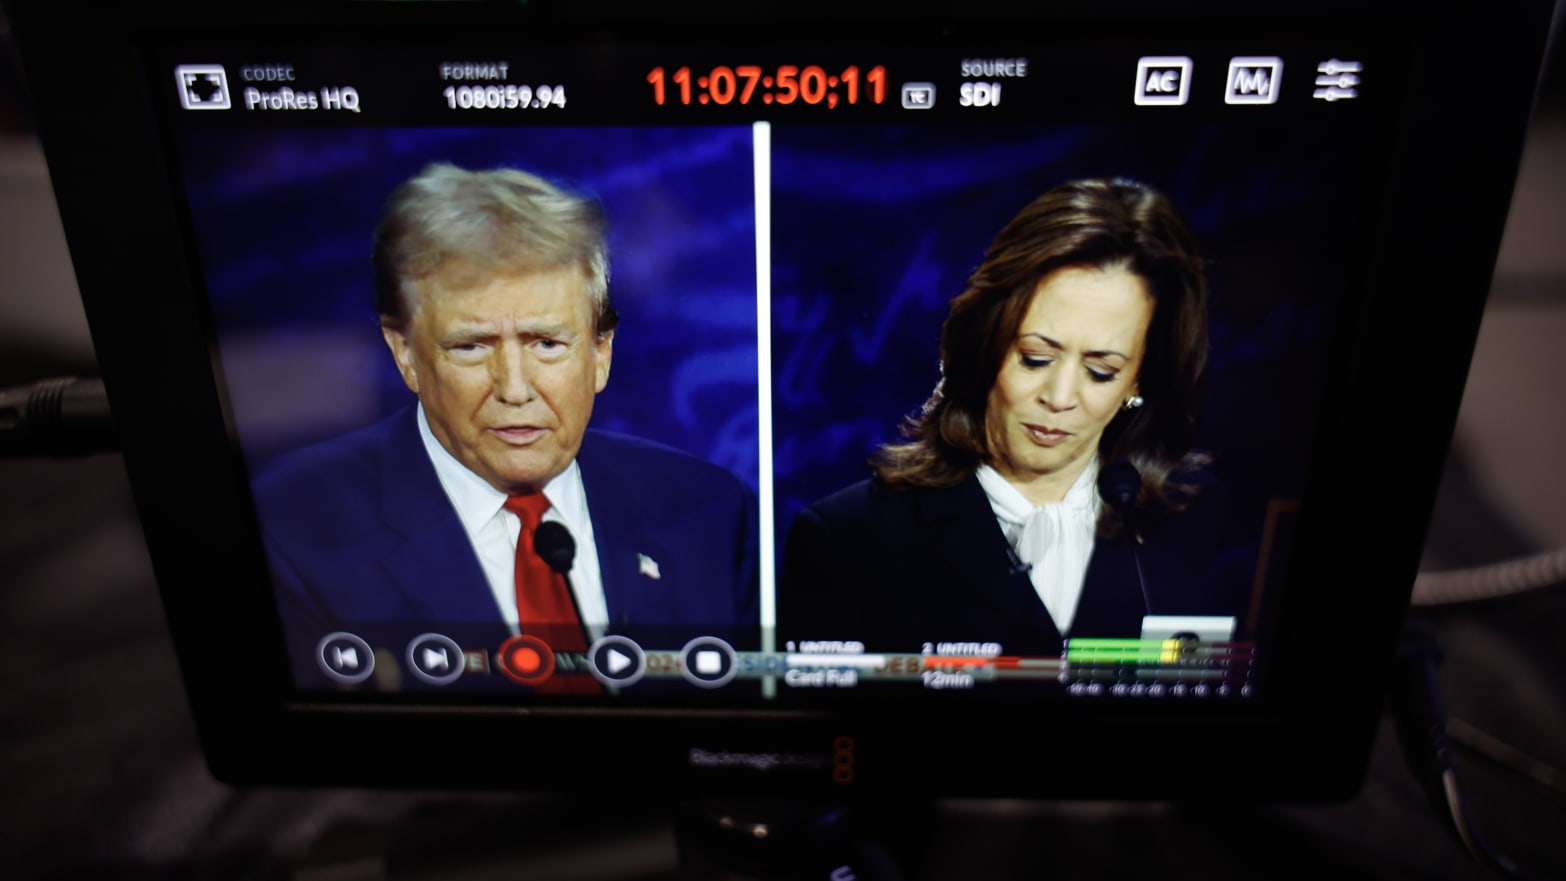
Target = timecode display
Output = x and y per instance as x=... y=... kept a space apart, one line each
x=785 y=84
x=504 y=97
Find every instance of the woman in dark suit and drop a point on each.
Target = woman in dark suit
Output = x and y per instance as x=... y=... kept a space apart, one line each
x=1048 y=487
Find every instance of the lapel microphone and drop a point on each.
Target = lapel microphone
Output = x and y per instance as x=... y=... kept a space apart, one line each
x=555 y=544
x=553 y=541
x=1119 y=483
x=1018 y=567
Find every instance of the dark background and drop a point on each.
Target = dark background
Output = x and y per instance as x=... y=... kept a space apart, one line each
x=101 y=776
x=876 y=229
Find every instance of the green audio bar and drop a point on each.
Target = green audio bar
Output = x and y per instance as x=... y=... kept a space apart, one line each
x=1104 y=643
x=1112 y=651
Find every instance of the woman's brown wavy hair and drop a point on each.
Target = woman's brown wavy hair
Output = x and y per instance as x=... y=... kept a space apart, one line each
x=1100 y=223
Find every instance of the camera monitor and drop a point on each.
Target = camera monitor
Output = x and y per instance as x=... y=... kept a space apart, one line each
x=698 y=399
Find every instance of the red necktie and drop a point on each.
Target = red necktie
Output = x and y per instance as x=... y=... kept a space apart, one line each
x=544 y=606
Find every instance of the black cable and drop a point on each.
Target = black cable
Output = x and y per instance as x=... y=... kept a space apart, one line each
x=66 y=416
x=1546 y=780
x=1420 y=719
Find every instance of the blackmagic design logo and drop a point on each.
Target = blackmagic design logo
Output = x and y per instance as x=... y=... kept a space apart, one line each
x=763 y=762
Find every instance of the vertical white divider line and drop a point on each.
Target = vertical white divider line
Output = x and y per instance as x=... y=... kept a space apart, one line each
x=761 y=141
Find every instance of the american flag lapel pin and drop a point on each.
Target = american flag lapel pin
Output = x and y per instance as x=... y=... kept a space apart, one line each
x=648 y=566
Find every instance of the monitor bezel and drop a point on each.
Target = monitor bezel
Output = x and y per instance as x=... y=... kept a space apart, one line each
x=1372 y=493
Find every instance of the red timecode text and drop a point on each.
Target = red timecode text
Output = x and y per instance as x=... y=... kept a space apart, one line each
x=785 y=84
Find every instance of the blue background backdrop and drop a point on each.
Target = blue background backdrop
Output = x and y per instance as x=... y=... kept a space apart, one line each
x=285 y=219
x=876 y=229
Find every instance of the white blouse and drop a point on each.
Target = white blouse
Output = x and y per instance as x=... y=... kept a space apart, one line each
x=1055 y=539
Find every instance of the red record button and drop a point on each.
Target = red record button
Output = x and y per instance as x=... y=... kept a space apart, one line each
x=526 y=660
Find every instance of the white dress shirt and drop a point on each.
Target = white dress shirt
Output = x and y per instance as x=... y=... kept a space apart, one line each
x=1055 y=539
x=493 y=532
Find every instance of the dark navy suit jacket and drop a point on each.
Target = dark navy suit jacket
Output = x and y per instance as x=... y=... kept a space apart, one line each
x=361 y=537
x=898 y=568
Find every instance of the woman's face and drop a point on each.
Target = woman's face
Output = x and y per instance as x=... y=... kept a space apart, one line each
x=1069 y=371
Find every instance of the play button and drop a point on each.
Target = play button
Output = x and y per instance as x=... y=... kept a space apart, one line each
x=617 y=661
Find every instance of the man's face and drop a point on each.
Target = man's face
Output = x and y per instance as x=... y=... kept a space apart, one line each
x=507 y=371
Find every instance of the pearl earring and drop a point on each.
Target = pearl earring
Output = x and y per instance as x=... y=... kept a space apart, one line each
x=1133 y=402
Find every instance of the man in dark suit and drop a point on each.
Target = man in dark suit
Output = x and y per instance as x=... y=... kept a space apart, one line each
x=489 y=515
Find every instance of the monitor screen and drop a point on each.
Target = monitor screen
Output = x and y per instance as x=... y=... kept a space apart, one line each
x=821 y=384
x=757 y=266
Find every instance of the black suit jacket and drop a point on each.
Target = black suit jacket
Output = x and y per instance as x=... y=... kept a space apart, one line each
x=899 y=568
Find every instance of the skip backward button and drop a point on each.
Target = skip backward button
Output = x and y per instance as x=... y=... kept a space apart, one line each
x=345 y=657
x=617 y=661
